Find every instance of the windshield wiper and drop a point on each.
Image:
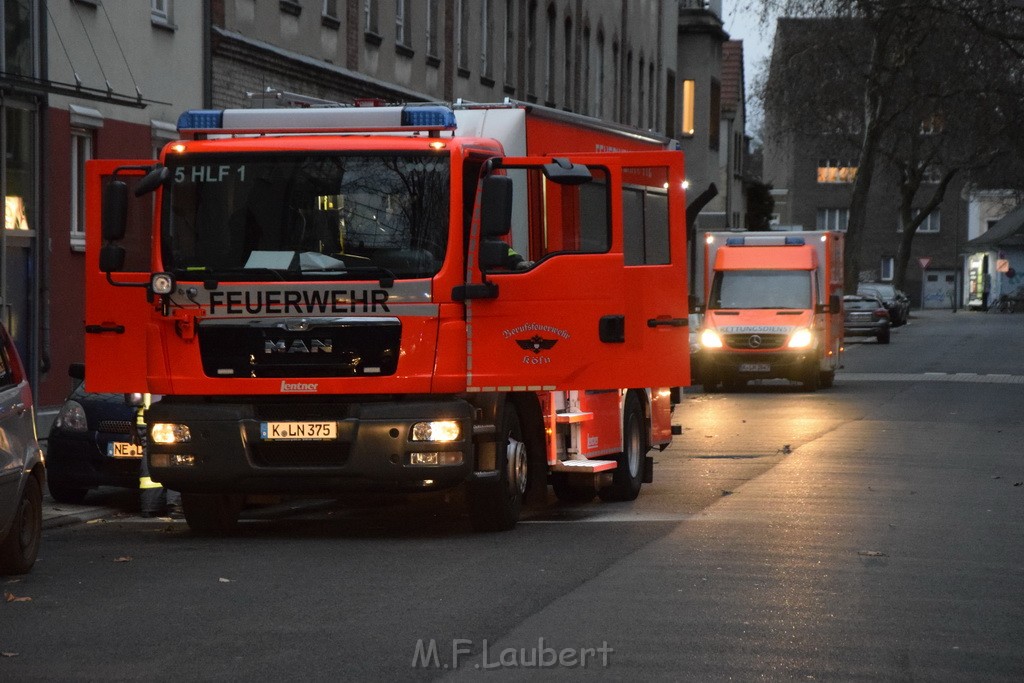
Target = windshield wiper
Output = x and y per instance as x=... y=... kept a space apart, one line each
x=387 y=278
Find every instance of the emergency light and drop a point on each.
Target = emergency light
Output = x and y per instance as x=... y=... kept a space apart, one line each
x=762 y=241
x=318 y=119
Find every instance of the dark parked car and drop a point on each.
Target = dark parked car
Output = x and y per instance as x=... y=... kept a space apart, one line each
x=896 y=302
x=92 y=443
x=21 y=466
x=866 y=316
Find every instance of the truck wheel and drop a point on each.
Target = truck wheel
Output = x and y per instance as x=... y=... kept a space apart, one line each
x=812 y=377
x=883 y=337
x=496 y=507
x=62 y=493
x=628 y=476
x=212 y=514
x=567 y=493
x=18 y=551
x=827 y=379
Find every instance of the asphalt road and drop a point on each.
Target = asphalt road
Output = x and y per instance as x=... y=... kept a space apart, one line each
x=871 y=531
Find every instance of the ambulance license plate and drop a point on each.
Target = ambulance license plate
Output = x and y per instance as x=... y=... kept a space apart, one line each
x=122 y=449
x=298 y=431
x=755 y=367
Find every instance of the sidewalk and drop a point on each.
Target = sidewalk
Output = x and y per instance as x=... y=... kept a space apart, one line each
x=102 y=502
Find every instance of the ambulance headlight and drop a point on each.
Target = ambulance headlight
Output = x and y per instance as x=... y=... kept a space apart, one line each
x=437 y=430
x=162 y=283
x=709 y=339
x=801 y=339
x=169 y=433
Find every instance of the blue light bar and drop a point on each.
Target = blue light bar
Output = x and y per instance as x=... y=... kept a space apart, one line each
x=430 y=116
x=795 y=241
x=200 y=119
x=735 y=241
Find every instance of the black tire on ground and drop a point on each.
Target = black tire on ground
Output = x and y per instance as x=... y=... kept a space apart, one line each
x=19 y=549
x=812 y=376
x=213 y=514
x=827 y=379
x=883 y=337
x=628 y=476
x=733 y=385
x=496 y=506
x=72 y=495
x=571 y=494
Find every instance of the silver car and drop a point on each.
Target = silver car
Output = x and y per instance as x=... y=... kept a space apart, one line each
x=21 y=466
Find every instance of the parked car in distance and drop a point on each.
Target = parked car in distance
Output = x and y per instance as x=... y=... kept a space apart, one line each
x=896 y=302
x=93 y=442
x=865 y=315
x=22 y=468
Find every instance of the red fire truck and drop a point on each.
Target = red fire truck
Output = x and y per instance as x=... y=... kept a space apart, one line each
x=393 y=298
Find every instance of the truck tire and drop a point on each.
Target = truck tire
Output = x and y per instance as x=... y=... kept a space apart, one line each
x=19 y=549
x=628 y=476
x=883 y=337
x=827 y=379
x=495 y=506
x=812 y=377
x=212 y=514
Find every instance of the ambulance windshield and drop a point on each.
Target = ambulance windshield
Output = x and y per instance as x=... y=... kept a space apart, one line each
x=294 y=216
x=761 y=289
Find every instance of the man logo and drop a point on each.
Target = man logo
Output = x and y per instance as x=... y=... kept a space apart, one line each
x=536 y=343
x=755 y=341
x=298 y=346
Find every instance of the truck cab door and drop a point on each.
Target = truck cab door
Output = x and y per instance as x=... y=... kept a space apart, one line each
x=600 y=301
x=116 y=306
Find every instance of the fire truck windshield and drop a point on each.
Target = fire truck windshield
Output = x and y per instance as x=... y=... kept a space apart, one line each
x=305 y=215
x=761 y=289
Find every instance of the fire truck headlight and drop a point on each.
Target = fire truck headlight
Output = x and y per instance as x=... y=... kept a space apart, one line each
x=801 y=339
x=709 y=339
x=162 y=283
x=168 y=433
x=437 y=430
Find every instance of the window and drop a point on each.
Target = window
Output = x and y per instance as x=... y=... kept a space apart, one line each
x=531 y=50
x=401 y=35
x=652 y=110
x=599 y=77
x=486 y=33
x=161 y=13
x=616 y=81
x=510 y=45
x=567 y=70
x=689 y=102
x=81 y=151
x=886 y=269
x=833 y=219
x=370 y=16
x=433 y=46
x=462 y=35
x=585 y=79
x=836 y=171
x=930 y=223
x=932 y=174
x=640 y=95
x=330 y=9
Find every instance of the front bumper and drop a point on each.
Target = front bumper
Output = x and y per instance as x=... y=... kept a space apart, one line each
x=371 y=452
x=746 y=365
x=80 y=460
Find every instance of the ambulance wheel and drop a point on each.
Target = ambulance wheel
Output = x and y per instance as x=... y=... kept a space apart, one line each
x=567 y=493
x=495 y=506
x=213 y=514
x=812 y=377
x=19 y=549
x=629 y=474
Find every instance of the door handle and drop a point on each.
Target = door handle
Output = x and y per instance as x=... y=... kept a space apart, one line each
x=107 y=327
x=668 y=322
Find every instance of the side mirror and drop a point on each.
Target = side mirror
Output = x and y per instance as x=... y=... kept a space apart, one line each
x=835 y=304
x=115 y=210
x=493 y=254
x=156 y=177
x=76 y=371
x=564 y=172
x=495 y=207
x=696 y=305
x=111 y=258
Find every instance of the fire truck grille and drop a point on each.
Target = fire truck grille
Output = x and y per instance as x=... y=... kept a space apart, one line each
x=746 y=340
x=269 y=454
x=337 y=348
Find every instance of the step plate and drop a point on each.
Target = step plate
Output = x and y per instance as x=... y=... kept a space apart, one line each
x=584 y=466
